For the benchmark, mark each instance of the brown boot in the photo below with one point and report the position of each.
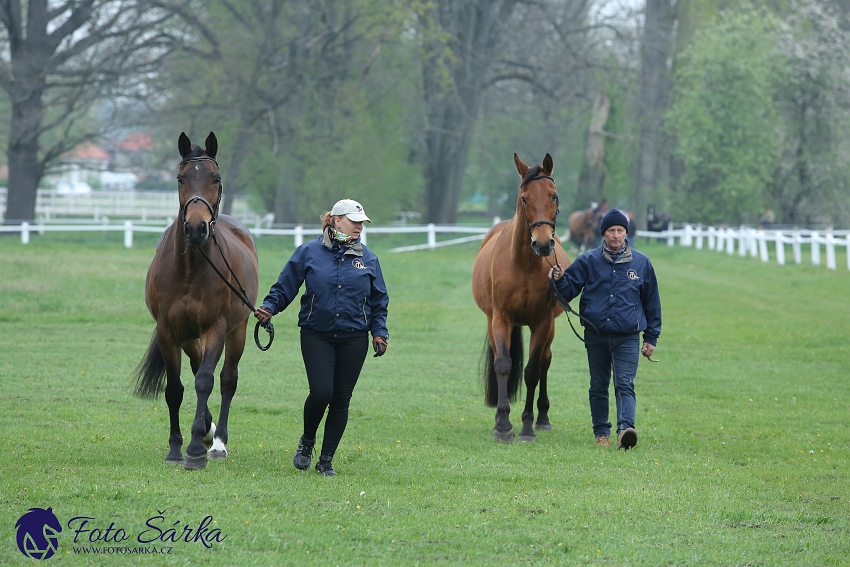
(603, 441)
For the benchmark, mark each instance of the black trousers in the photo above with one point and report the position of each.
(333, 362)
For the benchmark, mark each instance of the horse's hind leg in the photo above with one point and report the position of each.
(235, 346)
(173, 397)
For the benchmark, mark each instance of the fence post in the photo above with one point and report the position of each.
(711, 234)
(363, 236)
(830, 250)
(25, 232)
(432, 236)
(815, 249)
(699, 237)
(795, 246)
(730, 242)
(763, 247)
(299, 235)
(128, 234)
(742, 241)
(848, 250)
(780, 248)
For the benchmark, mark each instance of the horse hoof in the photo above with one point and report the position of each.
(503, 436)
(527, 438)
(543, 427)
(195, 463)
(217, 455)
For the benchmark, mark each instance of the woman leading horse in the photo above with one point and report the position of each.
(511, 286)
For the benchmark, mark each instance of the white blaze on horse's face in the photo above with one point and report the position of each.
(199, 184)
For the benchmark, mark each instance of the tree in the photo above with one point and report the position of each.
(653, 102)
(810, 184)
(724, 118)
(57, 60)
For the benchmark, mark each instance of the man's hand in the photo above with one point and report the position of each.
(647, 350)
(263, 315)
(556, 272)
(379, 344)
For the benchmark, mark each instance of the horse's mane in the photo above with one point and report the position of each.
(532, 172)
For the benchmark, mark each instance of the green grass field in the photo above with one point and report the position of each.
(743, 457)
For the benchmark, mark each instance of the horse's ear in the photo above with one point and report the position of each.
(211, 145)
(184, 145)
(548, 165)
(521, 168)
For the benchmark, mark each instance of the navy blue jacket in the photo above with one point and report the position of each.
(344, 290)
(619, 298)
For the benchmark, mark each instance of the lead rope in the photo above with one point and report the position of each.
(242, 294)
(565, 304)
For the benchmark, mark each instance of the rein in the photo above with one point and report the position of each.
(242, 295)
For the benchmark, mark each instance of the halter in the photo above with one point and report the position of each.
(192, 199)
(533, 225)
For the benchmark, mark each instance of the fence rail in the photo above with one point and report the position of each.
(744, 241)
(50, 204)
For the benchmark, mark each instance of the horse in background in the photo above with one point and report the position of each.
(657, 222)
(584, 226)
(510, 284)
(194, 309)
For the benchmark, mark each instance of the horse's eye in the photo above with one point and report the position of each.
(555, 198)
(180, 179)
(524, 202)
(217, 179)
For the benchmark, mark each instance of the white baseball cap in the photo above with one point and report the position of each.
(352, 209)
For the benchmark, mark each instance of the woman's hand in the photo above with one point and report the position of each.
(263, 315)
(379, 344)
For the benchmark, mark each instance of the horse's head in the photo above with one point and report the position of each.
(598, 212)
(199, 183)
(538, 204)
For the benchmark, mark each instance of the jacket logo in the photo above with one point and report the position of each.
(633, 275)
(358, 264)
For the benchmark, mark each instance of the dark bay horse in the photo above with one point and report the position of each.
(193, 307)
(584, 226)
(511, 286)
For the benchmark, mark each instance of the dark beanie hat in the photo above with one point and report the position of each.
(612, 218)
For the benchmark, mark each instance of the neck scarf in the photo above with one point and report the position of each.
(615, 254)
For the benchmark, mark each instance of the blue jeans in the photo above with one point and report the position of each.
(606, 354)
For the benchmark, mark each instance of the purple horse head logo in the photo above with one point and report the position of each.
(38, 533)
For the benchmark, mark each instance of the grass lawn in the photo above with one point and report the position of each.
(743, 455)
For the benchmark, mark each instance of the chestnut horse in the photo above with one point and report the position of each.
(584, 226)
(511, 286)
(194, 309)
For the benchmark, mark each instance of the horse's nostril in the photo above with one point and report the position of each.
(186, 228)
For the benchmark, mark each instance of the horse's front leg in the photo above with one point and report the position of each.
(539, 358)
(235, 346)
(196, 453)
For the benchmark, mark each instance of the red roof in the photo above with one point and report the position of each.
(137, 142)
(87, 151)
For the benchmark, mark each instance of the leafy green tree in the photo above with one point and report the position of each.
(724, 118)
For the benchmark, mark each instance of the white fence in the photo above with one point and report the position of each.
(747, 241)
(50, 204)
(744, 241)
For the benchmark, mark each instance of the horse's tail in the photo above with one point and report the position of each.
(517, 353)
(150, 373)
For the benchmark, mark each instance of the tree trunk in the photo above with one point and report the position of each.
(654, 98)
(25, 169)
(591, 182)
